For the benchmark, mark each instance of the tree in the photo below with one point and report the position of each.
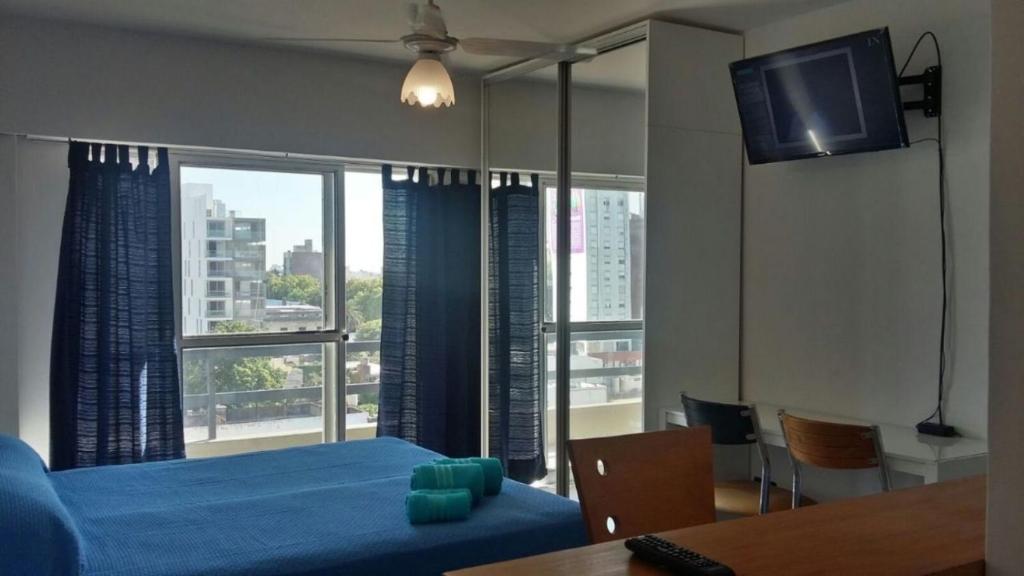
(232, 327)
(363, 300)
(368, 330)
(249, 374)
(295, 288)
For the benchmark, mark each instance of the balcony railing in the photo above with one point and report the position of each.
(619, 414)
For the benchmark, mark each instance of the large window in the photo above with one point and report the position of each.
(260, 343)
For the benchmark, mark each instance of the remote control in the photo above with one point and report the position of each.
(677, 559)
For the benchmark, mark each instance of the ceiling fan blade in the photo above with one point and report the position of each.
(519, 48)
(363, 40)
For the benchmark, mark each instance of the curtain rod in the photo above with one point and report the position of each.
(241, 152)
(359, 162)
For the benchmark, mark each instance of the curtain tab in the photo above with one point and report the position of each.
(515, 179)
(535, 181)
(161, 159)
(124, 157)
(144, 157)
(110, 154)
(471, 177)
(440, 177)
(504, 179)
(385, 173)
(96, 151)
(410, 172)
(424, 178)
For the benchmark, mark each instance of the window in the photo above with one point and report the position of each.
(364, 283)
(260, 360)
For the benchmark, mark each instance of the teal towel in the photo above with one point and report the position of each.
(447, 476)
(428, 506)
(493, 472)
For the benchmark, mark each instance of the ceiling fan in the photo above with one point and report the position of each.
(428, 82)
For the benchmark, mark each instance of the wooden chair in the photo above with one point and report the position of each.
(642, 483)
(738, 424)
(833, 446)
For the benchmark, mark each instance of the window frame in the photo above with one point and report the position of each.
(333, 334)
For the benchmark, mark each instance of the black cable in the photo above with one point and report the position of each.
(942, 229)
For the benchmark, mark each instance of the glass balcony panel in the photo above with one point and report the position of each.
(251, 398)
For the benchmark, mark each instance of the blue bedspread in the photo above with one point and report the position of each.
(333, 509)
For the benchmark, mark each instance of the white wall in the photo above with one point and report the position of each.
(693, 219)
(608, 127)
(8, 289)
(1006, 427)
(841, 262)
(89, 82)
(41, 194)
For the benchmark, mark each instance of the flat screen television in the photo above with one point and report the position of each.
(839, 96)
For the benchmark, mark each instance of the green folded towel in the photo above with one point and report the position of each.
(445, 476)
(428, 506)
(493, 472)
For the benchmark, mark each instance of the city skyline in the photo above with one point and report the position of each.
(290, 202)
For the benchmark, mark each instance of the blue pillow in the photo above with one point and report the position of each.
(37, 534)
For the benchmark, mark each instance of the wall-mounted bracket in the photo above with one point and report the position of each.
(931, 80)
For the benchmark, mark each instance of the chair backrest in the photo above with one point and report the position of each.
(642, 483)
(831, 445)
(729, 423)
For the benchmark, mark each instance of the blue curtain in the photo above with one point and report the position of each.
(114, 391)
(516, 398)
(430, 327)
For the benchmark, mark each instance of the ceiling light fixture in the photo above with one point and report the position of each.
(428, 83)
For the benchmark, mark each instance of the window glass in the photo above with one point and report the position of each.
(606, 256)
(238, 399)
(254, 239)
(364, 289)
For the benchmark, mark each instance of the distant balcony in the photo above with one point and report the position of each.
(216, 313)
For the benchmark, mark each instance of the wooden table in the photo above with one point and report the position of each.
(938, 529)
(934, 459)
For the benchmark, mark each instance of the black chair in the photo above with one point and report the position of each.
(737, 424)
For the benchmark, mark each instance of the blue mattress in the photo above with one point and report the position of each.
(333, 509)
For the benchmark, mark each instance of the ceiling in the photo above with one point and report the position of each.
(254, 21)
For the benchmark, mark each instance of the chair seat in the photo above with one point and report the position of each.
(743, 498)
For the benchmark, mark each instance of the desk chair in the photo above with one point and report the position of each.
(642, 483)
(833, 446)
(737, 424)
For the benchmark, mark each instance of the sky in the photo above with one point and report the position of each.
(292, 204)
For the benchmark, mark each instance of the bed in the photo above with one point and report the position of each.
(333, 509)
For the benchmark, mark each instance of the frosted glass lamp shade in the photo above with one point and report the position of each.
(428, 83)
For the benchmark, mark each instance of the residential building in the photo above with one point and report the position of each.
(223, 263)
(304, 260)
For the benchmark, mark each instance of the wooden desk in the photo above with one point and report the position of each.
(934, 459)
(933, 530)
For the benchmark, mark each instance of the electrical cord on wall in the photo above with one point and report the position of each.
(938, 412)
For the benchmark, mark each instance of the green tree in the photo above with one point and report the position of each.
(249, 374)
(368, 330)
(232, 327)
(363, 299)
(295, 288)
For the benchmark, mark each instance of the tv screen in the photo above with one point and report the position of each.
(834, 97)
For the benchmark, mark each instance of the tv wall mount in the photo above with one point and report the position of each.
(931, 81)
